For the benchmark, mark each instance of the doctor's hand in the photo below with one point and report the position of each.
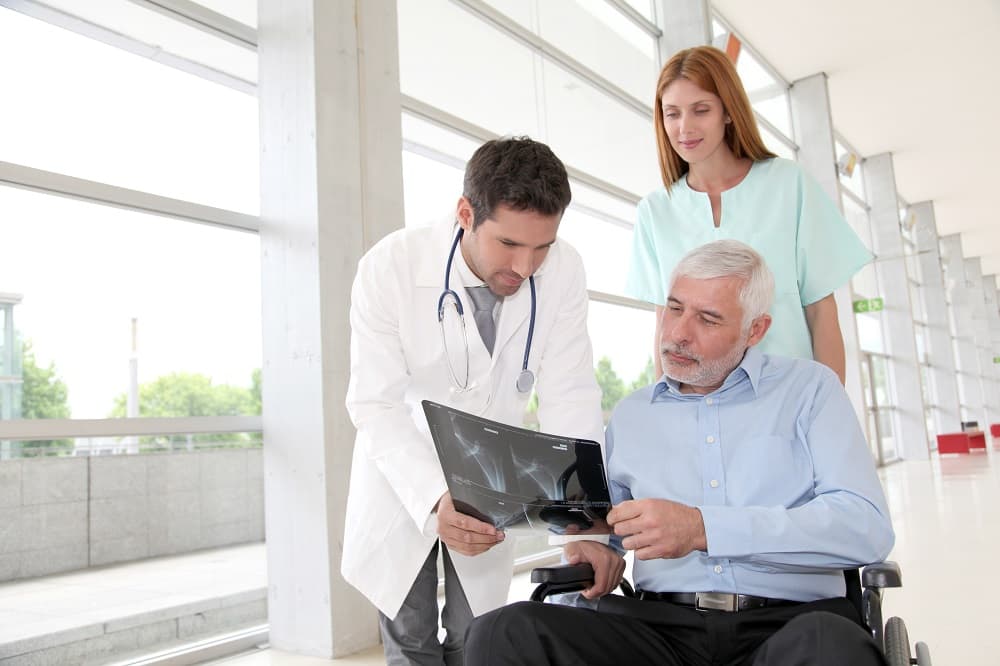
(608, 565)
(656, 528)
(464, 534)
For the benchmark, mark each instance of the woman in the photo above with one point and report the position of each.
(721, 182)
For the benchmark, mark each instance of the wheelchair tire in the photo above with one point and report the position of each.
(923, 654)
(897, 643)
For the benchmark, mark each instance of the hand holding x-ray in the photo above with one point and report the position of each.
(462, 533)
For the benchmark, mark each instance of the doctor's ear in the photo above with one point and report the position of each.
(464, 214)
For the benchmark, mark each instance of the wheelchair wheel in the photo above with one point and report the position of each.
(923, 654)
(897, 643)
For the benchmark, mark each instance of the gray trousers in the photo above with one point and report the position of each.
(411, 638)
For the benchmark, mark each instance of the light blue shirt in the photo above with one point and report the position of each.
(778, 210)
(777, 464)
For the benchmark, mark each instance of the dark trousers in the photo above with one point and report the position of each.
(411, 638)
(628, 631)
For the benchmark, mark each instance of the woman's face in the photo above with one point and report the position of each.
(694, 120)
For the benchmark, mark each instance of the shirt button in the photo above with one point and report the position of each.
(708, 401)
(709, 439)
(713, 483)
(718, 568)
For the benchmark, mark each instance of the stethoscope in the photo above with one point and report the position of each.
(526, 378)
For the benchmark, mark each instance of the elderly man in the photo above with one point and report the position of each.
(744, 486)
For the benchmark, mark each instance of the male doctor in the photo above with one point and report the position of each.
(474, 314)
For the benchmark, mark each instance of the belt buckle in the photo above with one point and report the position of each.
(716, 601)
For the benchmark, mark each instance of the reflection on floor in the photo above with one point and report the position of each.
(947, 540)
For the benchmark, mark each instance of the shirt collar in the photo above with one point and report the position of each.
(749, 368)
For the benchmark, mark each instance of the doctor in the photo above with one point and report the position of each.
(425, 326)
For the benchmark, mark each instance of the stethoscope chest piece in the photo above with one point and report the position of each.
(525, 381)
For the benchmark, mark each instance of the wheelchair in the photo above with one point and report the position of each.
(864, 590)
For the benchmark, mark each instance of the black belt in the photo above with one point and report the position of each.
(715, 600)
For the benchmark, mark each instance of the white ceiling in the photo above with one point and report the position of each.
(916, 78)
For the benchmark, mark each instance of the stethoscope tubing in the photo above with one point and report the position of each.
(526, 378)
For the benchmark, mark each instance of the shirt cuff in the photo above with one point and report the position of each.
(728, 532)
(430, 528)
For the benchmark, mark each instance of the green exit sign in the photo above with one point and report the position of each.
(996, 359)
(869, 305)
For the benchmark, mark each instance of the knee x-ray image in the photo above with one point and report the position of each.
(520, 480)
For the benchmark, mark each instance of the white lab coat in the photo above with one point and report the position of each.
(397, 360)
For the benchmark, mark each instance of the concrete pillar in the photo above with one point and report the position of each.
(897, 318)
(684, 23)
(813, 130)
(962, 299)
(940, 352)
(331, 185)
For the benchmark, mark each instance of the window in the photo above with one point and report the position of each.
(117, 118)
(194, 289)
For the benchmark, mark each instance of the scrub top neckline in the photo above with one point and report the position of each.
(683, 182)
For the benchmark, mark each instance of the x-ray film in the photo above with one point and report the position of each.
(519, 480)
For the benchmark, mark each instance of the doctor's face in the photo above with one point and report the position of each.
(508, 247)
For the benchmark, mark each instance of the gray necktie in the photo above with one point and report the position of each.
(483, 299)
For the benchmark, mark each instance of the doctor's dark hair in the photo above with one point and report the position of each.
(732, 259)
(517, 172)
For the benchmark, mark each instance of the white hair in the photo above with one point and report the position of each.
(731, 258)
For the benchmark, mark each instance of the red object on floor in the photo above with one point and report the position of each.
(995, 430)
(977, 440)
(953, 442)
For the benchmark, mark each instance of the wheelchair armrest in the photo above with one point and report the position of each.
(881, 575)
(561, 579)
(563, 574)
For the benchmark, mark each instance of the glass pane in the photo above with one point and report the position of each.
(442, 140)
(167, 34)
(718, 30)
(6, 351)
(872, 435)
(605, 248)
(767, 94)
(644, 7)
(604, 40)
(888, 434)
(920, 338)
(521, 11)
(431, 190)
(880, 372)
(870, 332)
(854, 181)
(857, 217)
(596, 134)
(623, 350)
(451, 59)
(244, 11)
(776, 110)
(194, 289)
(86, 109)
(776, 146)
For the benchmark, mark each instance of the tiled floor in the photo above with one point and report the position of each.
(946, 513)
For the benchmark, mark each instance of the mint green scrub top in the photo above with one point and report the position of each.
(777, 210)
